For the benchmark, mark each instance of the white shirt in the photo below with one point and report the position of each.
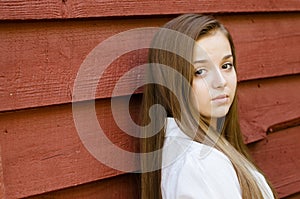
(191, 170)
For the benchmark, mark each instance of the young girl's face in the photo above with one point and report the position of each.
(215, 80)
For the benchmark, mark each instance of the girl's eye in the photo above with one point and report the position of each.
(227, 66)
(200, 72)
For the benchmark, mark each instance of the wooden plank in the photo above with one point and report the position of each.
(278, 156)
(267, 102)
(124, 186)
(42, 151)
(40, 62)
(51, 9)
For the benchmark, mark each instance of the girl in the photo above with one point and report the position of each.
(195, 142)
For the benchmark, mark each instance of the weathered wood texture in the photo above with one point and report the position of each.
(265, 103)
(121, 187)
(42, 152)
(279, 157)
(35, 9)
(40, 61)
(99, 189)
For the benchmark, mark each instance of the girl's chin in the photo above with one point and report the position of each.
(218, 113)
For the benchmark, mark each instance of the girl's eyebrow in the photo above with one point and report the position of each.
(200, 61)
(204, 60)
(227, 56)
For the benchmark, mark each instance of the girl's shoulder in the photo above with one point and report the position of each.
(180, 154)
(197, 169)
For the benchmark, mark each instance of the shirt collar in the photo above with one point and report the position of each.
(173, 130)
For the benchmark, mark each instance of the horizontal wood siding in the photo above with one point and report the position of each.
(52, 9)
(41, 153)
(265, 103)
(121, 187)
(36, 162)
(278, 156)
(40, 62)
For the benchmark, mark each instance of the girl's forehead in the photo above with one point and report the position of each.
(211, 46)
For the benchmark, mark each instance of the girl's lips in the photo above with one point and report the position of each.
(221, 99)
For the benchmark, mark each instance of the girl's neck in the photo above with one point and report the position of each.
(213, 122)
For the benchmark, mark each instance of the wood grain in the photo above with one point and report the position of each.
(34, 9)
(267, 102)
(42, 151)
(119, 187)
(278, 156)
(40, 60)
(2, 189)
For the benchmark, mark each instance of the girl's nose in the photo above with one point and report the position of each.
(218, 80)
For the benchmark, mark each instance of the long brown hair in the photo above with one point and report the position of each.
(174, 96)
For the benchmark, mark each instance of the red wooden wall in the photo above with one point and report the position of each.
(43, 44)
